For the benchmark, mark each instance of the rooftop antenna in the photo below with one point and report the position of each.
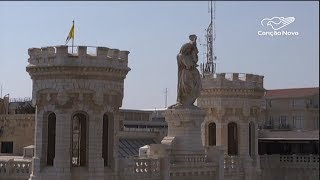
(209, 67)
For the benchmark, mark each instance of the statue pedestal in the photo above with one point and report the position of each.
(184, 131)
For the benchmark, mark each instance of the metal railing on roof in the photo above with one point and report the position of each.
(25, 99)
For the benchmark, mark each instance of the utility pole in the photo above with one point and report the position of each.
(165, 98)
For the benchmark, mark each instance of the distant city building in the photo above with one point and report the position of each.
(289, 134)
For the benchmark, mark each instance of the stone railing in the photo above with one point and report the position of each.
(232, 164)
(147, 166)
(143, 129)
(289, 161)
(188, 159)
(234, 80)
(15, 168)
(280, 127)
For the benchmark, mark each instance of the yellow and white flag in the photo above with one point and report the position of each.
(71, 33)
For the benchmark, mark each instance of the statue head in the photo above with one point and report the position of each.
(193, 37)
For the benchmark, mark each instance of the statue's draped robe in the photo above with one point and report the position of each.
(189, 83)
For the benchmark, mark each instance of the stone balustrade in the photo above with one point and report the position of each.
(233, 80)
(59, 55)
(232, 164)
(11, 168)
(147, 166)
(277, 166)
(289, 161)
(188, 159)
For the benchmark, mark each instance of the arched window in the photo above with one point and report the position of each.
(51, 145)
(212, 134)
(105, 140)
(79, 138)
(232, 139)
(251, 139)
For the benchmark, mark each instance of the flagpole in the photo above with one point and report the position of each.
(72, 37)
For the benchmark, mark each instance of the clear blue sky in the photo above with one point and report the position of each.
(153, 32)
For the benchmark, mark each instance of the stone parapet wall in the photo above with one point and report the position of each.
(233, 80)
(59, 56)
(59, 76)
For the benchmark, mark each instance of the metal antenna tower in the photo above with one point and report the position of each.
(210, 66)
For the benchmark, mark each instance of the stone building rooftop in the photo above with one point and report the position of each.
(130, 147)
(291, 93)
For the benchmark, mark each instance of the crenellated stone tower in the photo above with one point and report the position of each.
(232, 103)
(77, 98)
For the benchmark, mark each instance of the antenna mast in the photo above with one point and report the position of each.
(166, 98)
(209, 67)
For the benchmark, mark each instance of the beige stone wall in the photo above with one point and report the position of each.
(18, 128)
(4, 103)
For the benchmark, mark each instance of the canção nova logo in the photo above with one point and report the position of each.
(277, 23)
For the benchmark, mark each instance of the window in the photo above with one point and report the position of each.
(269, 123)
(212, 134)
(79, 131)
(232, 139)
(316, 122)
(297, 122)
(283, 122)
(298, 103)
(292, 103)
(51, 139)
(105, 141)
(251, 139)
(7, 147)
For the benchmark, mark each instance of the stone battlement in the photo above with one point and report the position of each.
(232, 80)
(59, 56)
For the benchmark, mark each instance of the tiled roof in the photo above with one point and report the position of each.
(290, 93)
(130, 147)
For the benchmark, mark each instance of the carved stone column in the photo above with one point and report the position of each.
(95, 160)
(62, 160)
(36, 160)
